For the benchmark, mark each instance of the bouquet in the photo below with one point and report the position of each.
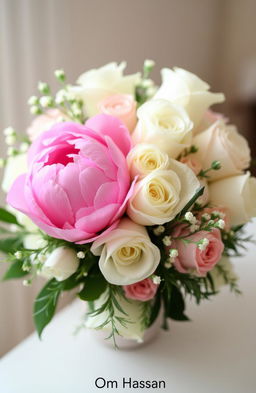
(132, 195)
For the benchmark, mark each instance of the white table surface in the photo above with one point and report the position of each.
(216, 353)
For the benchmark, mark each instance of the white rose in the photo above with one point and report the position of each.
(218, 279)
(165, 125)
(144, 158)
(127, 254)
(16, 165)
(204, 199)
(186, 89)
(61, 264)
(238, 193)
(97, 84)
(223, 143)
(162, 194)
(132, 308)
(34, 241)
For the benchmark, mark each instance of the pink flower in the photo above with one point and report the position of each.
(192, 163)
(45, 122)
(190, 258)
(224, 214)
(143, 290)
(78, 180)
(121, 106)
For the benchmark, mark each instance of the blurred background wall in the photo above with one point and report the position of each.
(213, 38)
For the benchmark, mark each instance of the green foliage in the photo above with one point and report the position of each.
(11, 244)
(176, 305)
(6, 216)
(15, 271)
(45, 304)
(93, 287)
(110, 306)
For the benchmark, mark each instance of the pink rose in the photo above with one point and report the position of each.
(192, 163)
(121, 106)
(143, 290)
(209, 118)
(190, 258)
(224, 215)
(45, 122)
(78, 180)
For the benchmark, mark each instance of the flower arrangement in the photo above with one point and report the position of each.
(133, 195)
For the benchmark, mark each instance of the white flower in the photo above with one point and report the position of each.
(80, 255)
(127, 254)
(156, 279)
(173, 253)
(144, 158)
(222, 143)
(238, 193)
(61, 264)
(186, 89)
(162, 194)
(18, 254)
(159, 230)
(167, 241)
(9, 131)
(220, 224)
(97, 84)
(203, 244)
(190, 218)
(164, 124)
(133, 310)
(16, 165)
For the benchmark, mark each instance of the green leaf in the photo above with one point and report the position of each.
(15, 271)
(10, 245)
(155, 309)
(45, 305)
(176, 306)
(8, 217)
(94, 286)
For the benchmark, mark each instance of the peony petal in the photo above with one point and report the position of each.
(98, 219)
(90, 180)
(111, 126)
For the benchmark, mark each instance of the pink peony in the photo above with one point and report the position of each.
(143, 290)
(45, 122)
(190, 258)
(121, 106)
(78, 180)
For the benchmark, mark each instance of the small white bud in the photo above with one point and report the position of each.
(159, 230)
(156, 280)
(24, 147)
(203, 244)
(10, 140)
(173, 253)
(168, 264)
(193, 228)
(60, 74)
(149, 64)
(35, 110)
(85, 274)
(46, 101)
(18, 254)
(43, 87)
(60, 97)
(167, 241)
(80, 255)
(220, 224)
(206, 216)
(190, 218)
(9, 131)
(11, 151)
(146, 83)
(26, 283)
(33, 100)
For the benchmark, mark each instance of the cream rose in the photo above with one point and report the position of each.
(61, 264)
(132, 308)
(97, 84)
(186, 89)
(162, 194)
(238, 193)
(165, 125)
(223, 143)
(16, 165)
(145, 158)
(127, 254)
(218, 278)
